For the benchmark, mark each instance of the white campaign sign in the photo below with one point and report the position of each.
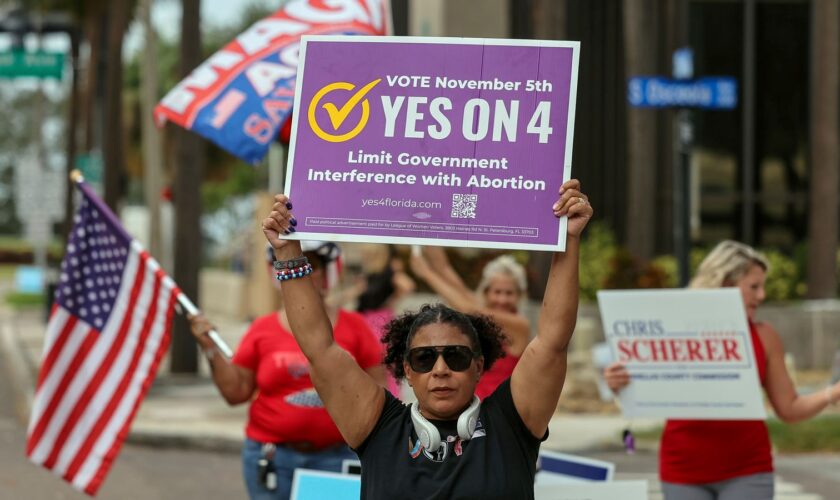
(689, 353)
(624, 490)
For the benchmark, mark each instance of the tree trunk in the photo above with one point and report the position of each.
(188, 178)
(640, 52)
(548, 21)
(825, 159)
(112, 135)
(152, 151)
(548, 17)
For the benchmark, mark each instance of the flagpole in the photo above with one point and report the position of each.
(188, 306)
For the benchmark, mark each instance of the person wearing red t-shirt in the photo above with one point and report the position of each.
(731, 459)
(498, 296)
(288, 426)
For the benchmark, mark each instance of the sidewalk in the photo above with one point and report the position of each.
(187, 411)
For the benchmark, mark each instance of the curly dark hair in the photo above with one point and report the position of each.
(486, 337)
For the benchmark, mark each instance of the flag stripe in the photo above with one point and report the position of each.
(48, 378)
(92, 473)
(143, 383)
(58, 331)
(89, 340)
(126, 336)
(78, 376)
(112, 390)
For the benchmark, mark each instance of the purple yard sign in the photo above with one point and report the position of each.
(438, 141)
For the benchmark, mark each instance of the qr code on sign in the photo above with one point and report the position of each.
(463, 206)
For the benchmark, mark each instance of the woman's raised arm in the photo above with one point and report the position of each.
(438, 273)
(538, 379)
(352, 398)
(454, 292)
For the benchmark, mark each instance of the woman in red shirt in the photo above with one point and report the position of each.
(498, 296)
(288, 426)
(731, 459)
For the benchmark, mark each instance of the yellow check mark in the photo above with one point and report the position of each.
(337, 116)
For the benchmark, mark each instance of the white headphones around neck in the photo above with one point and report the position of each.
(430, 436)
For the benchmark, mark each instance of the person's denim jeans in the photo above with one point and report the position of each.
(285, 463)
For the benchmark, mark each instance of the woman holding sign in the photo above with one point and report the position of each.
(498, 296)
(731, 459)
(448, 444)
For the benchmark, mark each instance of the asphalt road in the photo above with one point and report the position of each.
(139, 472)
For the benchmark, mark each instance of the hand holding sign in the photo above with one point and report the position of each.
(574, 204)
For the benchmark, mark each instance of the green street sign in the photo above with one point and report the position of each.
(38, 64)
(91, 167)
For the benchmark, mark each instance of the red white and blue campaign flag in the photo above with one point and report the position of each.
(109, 328)
(241, 96)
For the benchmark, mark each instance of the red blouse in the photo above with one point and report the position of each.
(286, 407)
(492, 378)
(708, 451)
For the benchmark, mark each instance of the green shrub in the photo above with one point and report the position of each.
(668, 265)
(818, 434)
(783, 280)
(596, 250)
(606, 265)
(21, 300)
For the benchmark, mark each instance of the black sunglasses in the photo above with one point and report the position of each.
(457, 357)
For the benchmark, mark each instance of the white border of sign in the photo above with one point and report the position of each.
(357, 238)
(624, 490)
(347, 463)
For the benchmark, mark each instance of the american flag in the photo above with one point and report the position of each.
(109, 328)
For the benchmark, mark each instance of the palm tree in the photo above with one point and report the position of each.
(640, 52)
(117, 15)
(187, 197)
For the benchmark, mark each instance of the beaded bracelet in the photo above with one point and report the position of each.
(295, 270)
(299, 272)
(289, 264)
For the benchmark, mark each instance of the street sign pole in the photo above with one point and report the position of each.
(682, 196)
(683, 69)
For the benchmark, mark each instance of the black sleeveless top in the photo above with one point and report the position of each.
(499, 462)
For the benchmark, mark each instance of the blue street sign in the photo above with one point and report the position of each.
(658, 92)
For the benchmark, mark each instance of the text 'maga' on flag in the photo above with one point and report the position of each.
(108, 330)
(241, 96)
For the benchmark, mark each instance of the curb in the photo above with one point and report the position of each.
(20, 368)
(181, 441)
